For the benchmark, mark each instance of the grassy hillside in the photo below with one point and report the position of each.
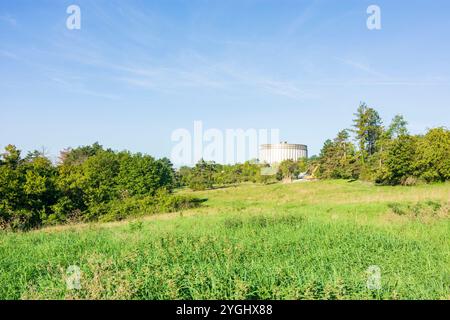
(311, 240)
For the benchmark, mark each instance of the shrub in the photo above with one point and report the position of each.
(136, 226)
(163, 202)
(396, 208)
(233, 223)
(433, 160)
(430, 208)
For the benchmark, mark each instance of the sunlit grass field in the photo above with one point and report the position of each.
(309, 240)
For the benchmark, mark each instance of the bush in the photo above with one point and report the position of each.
(430, 208)
(433, 159)
(163, 202)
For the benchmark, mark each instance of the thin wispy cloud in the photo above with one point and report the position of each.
(266, 83)
(9, 55)
(217, 76)
(78, 87)
(286, 89)
(8, 19)
(185, 70)
(375, 82)
(194, 71)
(377, 78)
(359, 66)
(303, 18)
(407, 83)
(167, 79)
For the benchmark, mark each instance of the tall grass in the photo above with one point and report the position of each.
(298, 241)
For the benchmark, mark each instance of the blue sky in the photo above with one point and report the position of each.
(138, 70)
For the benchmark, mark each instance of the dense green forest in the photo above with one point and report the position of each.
(91, 183)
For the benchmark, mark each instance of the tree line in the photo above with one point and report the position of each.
(387, 155)
(87, 184)
(208, 174)
(368, 151)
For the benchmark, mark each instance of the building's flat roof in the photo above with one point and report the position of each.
(289, 145)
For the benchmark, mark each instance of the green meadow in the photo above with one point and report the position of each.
(308, 240)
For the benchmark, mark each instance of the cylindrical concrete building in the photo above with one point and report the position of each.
(276, 153)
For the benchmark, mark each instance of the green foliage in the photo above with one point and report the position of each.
(202, 176)
(163, 201)
(11, 157)
(399, 163)
(227, 175)
(423, 209)
(141, 175)
(89, 183)
(249, 172)
(368, 130)
(433, 158)
(387, 156)
(79, 155)
(27, 189)
(397, 128)
(208, 175)
(99, 178)
(288, 170)
(338, 158)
